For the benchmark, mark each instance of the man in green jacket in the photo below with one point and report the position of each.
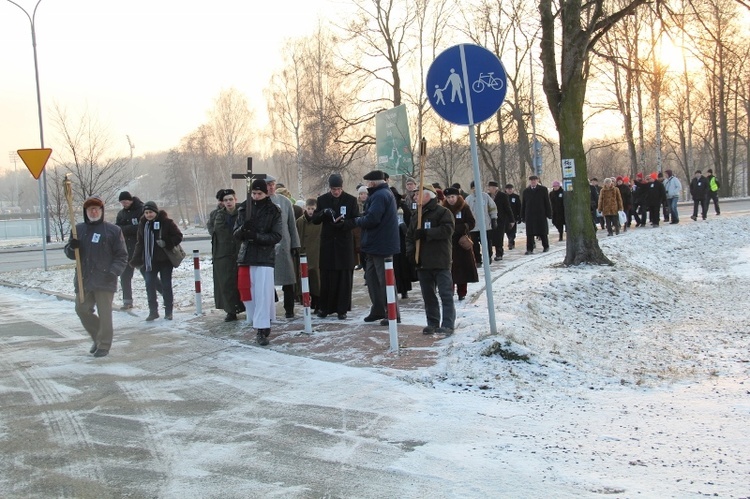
(433, 260)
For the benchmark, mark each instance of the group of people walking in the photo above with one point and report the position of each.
(256, 244)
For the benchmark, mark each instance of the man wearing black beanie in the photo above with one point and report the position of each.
(336, 261)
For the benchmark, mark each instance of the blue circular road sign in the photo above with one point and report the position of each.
(466, 84)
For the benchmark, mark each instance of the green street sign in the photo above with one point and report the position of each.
(393, 142)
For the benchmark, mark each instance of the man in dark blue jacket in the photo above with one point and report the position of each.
(380, 240)
(103, 256)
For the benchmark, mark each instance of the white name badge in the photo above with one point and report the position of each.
(342, 210)
(134, 221)
(96, 237)
(459, 215)
(513, 200)
(560, 195)
(156, 225)
(414, 206)
(427, 224)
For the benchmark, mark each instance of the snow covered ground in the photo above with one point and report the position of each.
(627, 380)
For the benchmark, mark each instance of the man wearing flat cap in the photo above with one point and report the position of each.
(336, 261)
(433, 261)
(380, 240)
(103, 257)
(127, 219)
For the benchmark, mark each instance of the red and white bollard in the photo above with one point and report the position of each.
(390, 292)
(304, 278)
(197, 273)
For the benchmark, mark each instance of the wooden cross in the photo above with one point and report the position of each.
(249, 176)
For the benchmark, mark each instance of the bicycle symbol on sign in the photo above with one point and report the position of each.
(487, 80)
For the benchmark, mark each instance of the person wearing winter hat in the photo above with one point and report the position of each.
(336, 261)
(157, 233)
(259, 230)
(380, 240)
(432, 257)
(127, 219)
(99, 248)
(224, 249)
(654, 199)
(712, 191)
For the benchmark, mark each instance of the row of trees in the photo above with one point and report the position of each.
(598, 62)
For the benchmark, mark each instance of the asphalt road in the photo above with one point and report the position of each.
(33, 257)
(180, 415)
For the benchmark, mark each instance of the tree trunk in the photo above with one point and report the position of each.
(582, 245)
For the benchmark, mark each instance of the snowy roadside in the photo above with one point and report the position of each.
(667, 311)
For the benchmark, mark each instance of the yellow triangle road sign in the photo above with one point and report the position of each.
(35, 159)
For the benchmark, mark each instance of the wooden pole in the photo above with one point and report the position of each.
(422, 158)
(68, 185)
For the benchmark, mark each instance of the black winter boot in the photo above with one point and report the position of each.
(262, 336)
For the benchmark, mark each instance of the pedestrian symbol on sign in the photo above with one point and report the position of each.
(475, 78)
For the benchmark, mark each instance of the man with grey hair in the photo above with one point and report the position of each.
(433, 261)
(287, 250)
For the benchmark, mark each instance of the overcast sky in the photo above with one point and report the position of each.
(148, 69)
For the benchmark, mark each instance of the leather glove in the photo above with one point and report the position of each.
(74, 244)
(419, 234)
(493, 223)
(249, 224)
(160, 243)
(329, 212)
(250, 232)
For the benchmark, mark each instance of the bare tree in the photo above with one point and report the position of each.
(230, 125)
(580, 26)
(87, 153)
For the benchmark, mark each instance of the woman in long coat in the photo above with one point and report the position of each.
(463, 267)
(610, 203)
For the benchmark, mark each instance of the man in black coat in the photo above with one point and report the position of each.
(536, 210)
(127, 220)
(627, 200)
(336, 262)
(698, 189)
(654, 199)
(505, 218)
(515, 207)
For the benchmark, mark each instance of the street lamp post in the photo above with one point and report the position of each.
(43, 190)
